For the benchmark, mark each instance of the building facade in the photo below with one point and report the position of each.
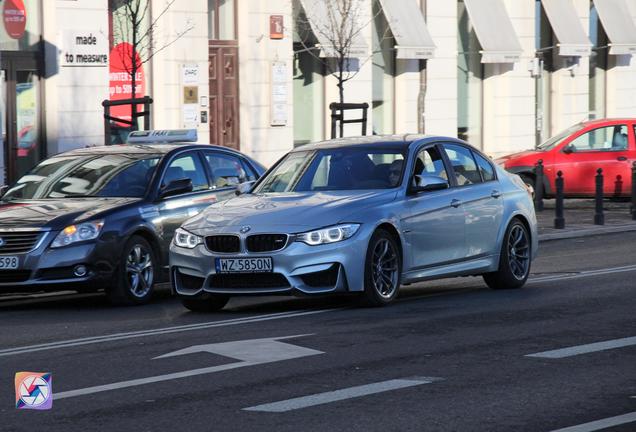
(260, 75)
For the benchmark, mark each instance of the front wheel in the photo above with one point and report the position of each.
(382, 269)
(514, 261)
(135, 274)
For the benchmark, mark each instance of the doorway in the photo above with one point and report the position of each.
(20, 103)
(223, 73)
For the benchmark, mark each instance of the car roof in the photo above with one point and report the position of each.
(161, 149)
(607, 120)
(374, 140)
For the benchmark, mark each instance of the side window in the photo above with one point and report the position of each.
(186, 166)
(466, 171)
(249, 171)
(430, 163)
(485, 167)
(609, 138)
(227, 170)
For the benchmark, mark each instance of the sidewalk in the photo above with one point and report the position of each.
(579, 219)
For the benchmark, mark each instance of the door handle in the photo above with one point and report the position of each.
(456, 203)
(621, 158)
(495, 194)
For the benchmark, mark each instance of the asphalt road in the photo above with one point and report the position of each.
(447, 356)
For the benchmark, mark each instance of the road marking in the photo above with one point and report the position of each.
(342, 394)
(585, 349)
(159, 331)
(249, 352)
(601, 424)
(583, 274)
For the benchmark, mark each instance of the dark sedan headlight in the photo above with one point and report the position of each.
(78, 233)
(327, 235)
(185, 239)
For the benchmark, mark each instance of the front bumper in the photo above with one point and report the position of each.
(298, 269)
(45, 269)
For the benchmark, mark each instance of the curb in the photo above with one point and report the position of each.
(587, 232)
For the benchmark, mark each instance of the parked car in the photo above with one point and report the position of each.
(578, 152)
(103, 217)
(360, 215)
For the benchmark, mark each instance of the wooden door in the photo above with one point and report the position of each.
(224, 94)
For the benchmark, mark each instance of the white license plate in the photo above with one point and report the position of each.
(9, 262)
(244, 265)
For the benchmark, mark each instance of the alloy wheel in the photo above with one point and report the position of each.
(139, 271)
(518, 252)
(385, 268)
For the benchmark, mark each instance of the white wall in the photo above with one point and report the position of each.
(570, 83)
(73, 110)
(509, 94)
(441, 93)
(257, 51)
(165, 78)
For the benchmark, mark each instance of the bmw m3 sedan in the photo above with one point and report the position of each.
(360, 215)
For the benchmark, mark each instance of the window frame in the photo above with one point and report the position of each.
(587, 131)
(196, 154)
(210, 174)
(452, 168)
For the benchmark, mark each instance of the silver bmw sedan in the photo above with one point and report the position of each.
(360, 215)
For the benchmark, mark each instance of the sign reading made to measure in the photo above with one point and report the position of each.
(82, 48)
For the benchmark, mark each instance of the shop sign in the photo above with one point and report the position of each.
(121, 57)
(82, 48)
(15, 17)
(275, 26)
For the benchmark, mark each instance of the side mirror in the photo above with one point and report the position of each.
(428, 183)
(176, 187)
(3, 190)
(568, 149)
(243, 188)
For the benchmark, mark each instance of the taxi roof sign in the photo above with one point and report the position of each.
(162, 136)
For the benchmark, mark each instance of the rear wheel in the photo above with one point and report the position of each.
(382, 269)
(135, 274)
(514, 261)
(205, 302)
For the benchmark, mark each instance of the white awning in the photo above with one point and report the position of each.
(409, 29)
(325, 20)
(568, 28)
(618, 24)
(494, 30)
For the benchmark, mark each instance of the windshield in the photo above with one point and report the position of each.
(114, 175)
(336, 169)
(556, 140)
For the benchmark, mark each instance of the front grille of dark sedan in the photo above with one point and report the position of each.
(18, 242)
(249, 280)
(266, 242)
(223, 243)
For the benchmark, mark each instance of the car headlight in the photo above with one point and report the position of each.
(185, 239)
(77, 233)
(331, 234)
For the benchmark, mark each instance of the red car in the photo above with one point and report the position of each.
(578, 152)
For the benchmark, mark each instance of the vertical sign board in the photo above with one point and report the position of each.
(278, 97)
(190, 107)
(276, 27)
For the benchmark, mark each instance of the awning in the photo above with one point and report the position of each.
(494, 30)
(618, 24)
(325, 21)
(568, 28)
(409, 29)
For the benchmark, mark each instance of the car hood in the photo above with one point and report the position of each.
(293, 212)
(519, 158)
(55, 213)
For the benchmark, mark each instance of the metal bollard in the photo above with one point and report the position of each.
(559, 220)
(634, 191)
(599, 218)
(538, 186)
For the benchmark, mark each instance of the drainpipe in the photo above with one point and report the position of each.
(421, 97)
